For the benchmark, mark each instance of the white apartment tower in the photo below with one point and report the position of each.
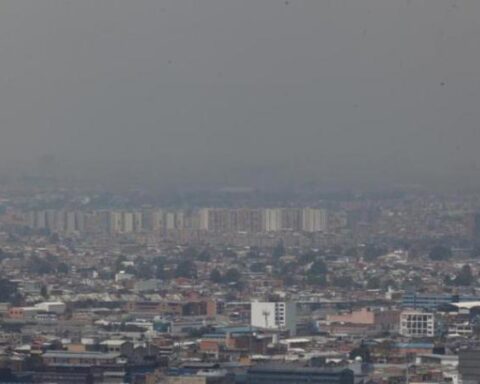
(50, 220)
(70, 222)
(127, 222)
(137, 221)
(115, 223)
(203, 219)
(157, 220)
(41, 220)
(274, 315)
(179, 220)
(80, 221)
(314, 220)
(170, 220)
(272, 220)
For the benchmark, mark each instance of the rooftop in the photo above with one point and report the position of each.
(81, 355)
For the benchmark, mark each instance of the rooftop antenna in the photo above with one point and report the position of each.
(265, 314)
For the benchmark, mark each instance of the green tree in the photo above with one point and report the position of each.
(385, 349)
(54, 238)
(40, 266)
(257, 267)
(278, 251)
(343, 281)
(9, 292)
(186, 268)
(190, 253)
(253, 253)
(373, 252)
(317, 274)
(145, 270)
(361, 351)
(196, 333)
(351, 252)
(62, 268)
(130, 269)
(308, 257)
(373, 283)
(465, 277)
(118, 262)
(44, 292)
(475, 252)
(34, 362)
(215, 276)
(158, 265)
(318, 268)
(440, 253)
(287, 269)
(389, 283)
(204, 255)
(232, 275)
(229, 254)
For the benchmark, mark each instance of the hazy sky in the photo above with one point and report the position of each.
(240, 91)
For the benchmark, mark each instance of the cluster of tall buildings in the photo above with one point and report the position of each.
(263, 220)
(219, 220)
(105, 221)
(56, 220)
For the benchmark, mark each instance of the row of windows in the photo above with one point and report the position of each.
(418, 317)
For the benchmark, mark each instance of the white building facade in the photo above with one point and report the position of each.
(417, 324)
(314, 220)
(272, 220)
(274, 315)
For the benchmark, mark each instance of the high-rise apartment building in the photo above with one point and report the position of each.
(127, 222)
(80, 221)
(70, 222)
(245, 220)
(475, 228)
(158, 220)
(137, 221)
(314, 220)
(115, 224)
(292, 219)
(179, 220)
(215, 220)
(41, 220)
(272, 220)
(169, 221)
(50, 220)
(203, 219)
(219, 220)
(274, 315)
(60, 221)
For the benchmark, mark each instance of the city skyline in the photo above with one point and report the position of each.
(239, 192)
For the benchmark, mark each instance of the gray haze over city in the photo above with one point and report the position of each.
(249, 92)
